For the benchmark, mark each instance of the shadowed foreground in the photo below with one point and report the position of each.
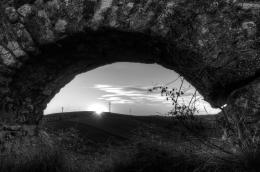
(81, 141)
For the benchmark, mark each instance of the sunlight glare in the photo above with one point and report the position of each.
(98, 108)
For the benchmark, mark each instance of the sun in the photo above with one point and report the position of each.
(97, 108)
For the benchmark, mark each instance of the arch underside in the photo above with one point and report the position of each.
(56, 41)
(44, 74)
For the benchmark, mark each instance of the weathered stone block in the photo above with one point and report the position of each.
(7, 57)
(60, 26)
(25, 10)
(11, 14)
(250, 28)
(15, 48)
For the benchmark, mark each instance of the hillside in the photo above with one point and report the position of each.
(84, 141)
(112, 126)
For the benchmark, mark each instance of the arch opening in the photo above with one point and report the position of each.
(45, 73)
(123, 88)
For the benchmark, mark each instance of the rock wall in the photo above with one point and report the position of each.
(44, 43)
(243, 112)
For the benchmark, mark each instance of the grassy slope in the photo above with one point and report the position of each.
(156, 147)
(110, 125)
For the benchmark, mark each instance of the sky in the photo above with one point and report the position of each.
(125, 86)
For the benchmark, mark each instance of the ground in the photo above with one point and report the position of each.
(84, 141)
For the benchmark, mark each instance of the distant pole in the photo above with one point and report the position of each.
(130, 111)
(109, 107)
(62, 109)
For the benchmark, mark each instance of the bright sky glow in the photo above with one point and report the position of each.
(126, 86)
(98, 108)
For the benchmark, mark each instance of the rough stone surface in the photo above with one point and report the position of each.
(213, 44)
(60, 26)
(244, 110)
(15, 48)
(25, 10)
(11, 14)
(6, 56)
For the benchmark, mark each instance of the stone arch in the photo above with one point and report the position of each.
(46, 43)
(42, 76)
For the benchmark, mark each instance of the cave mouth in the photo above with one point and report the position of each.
(56, 64)
(123, 88)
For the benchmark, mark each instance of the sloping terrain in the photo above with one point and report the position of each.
(118, 126)
(84, 141)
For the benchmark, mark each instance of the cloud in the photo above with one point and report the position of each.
(136, 94)
(129, 94)
(141, 95)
